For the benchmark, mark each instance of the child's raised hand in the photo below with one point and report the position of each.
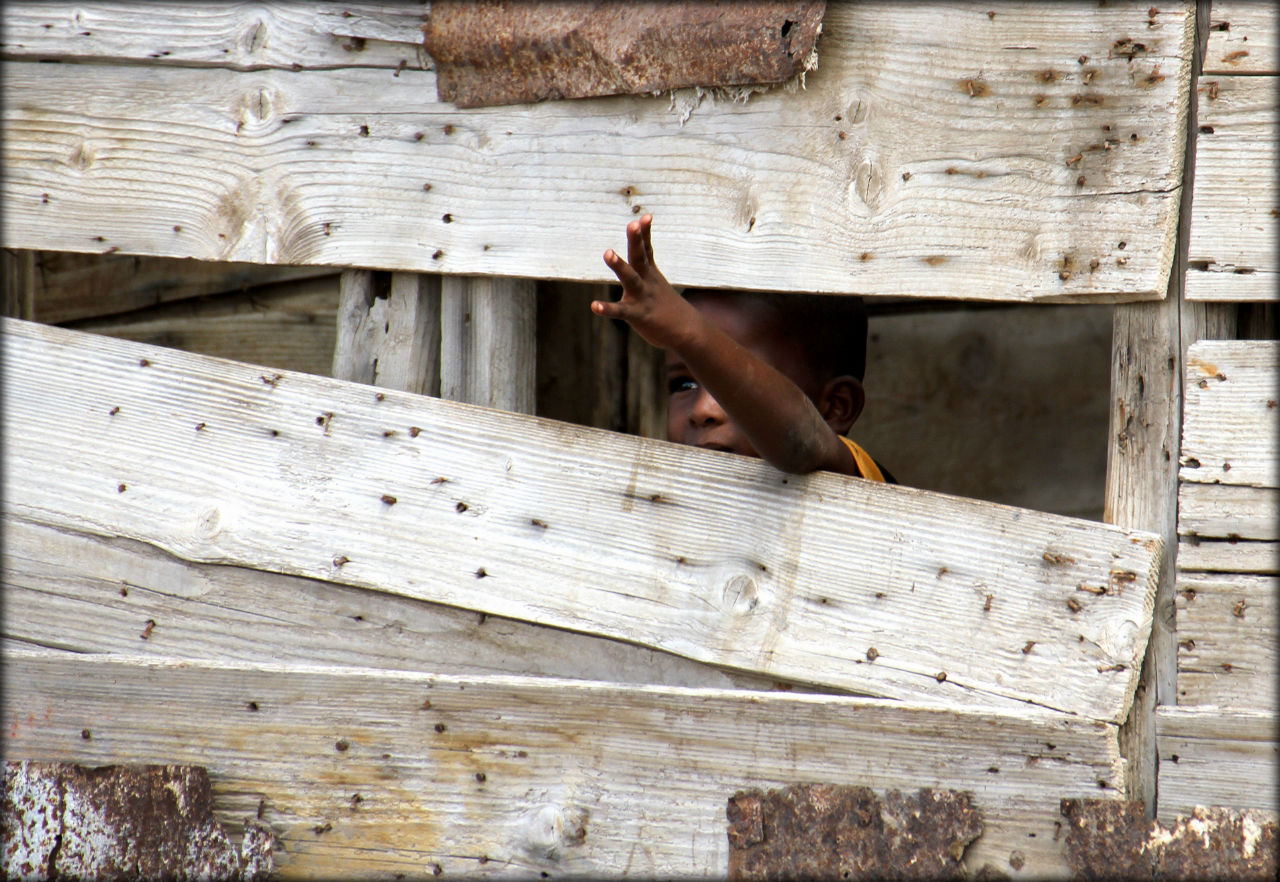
(649, 303)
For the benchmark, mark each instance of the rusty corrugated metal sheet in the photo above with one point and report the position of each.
(64, 821)
(492, 52)
(1107, 839)
(825, 831)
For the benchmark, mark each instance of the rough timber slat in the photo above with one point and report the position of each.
(1227, 640)
(622, 537)
(1242, 38)
(1231, 431)
(1227, 511)
(241, 36)
(936, 152)
(1234, 215)
(88, 594)
(516, 776)
(69, 287)
(1217, 756)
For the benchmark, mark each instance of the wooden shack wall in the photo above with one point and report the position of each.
(946, 371)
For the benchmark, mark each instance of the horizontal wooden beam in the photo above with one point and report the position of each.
(1033, 154)
(1227, 653)
(720, 558)
(1217, 756)
(1243, 38)
(362, 774)
(83, 593)
(319, 35)
(1234, 224)
(1230, 432)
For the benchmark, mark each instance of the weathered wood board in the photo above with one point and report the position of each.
(289, 325)
(68, 287)
(942, 151)
(1235, 214)
(722, 559)
(1227, 638)
(317, 35)
(363, 773)
(1230, 432)
(1242, 38)
(82, 593)
(1216, 756)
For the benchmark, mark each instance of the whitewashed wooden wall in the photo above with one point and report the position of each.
(1033, 154)
(354, 627)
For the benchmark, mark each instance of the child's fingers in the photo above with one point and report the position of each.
(615, 309)
(626, 275)
(637, 254)
(646, 228)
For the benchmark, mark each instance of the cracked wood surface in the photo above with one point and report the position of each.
(819, 579)
(1032, 154)
(361, 774)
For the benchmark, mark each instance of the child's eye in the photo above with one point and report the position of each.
(681, 384)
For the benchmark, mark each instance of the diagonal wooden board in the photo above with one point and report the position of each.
(837, 581)
(365, 773)
(1019, 152)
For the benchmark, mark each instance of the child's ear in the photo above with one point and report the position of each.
(841, 402)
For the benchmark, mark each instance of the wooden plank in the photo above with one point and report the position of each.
(1229, 557)
(18, 268)
(70, 287)
(581, 360)
(288, 325)
(818, 578)
(81, 593)
(520, 776)
(488, 348)
(1215, 756)
(389, 331)
(241, 36)
(1234, 223)
(1227, 511)
(1227, 641)
(1230, 434)
(970, 160)
(1242, 38)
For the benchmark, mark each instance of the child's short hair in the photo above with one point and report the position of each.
(833, 327)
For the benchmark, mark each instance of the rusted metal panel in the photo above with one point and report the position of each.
(1114, 840)
(824, 831)
(59, 820)
(494, 52)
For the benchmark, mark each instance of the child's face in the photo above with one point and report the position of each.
(693, 416)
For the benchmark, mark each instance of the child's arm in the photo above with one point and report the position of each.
(774, 414)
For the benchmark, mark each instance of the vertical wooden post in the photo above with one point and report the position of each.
(487, 353)
(18, 275)
(389, 330)
(1149, 342)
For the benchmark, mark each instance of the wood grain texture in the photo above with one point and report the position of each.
(1230, 433)
(70, 287)
(388, 331)
(1227, 511)
(819, 578)
(1227, 640)
(1214, 756)
(82, 593)
(363, 773)
(240, 36)
(488, 348)
(1242, 38)
(937, 151)
(1235, 216)
(1228, 556)
(289, 325)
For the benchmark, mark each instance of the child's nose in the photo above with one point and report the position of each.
(706, 411)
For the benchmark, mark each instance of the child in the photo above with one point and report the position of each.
(746, 373)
